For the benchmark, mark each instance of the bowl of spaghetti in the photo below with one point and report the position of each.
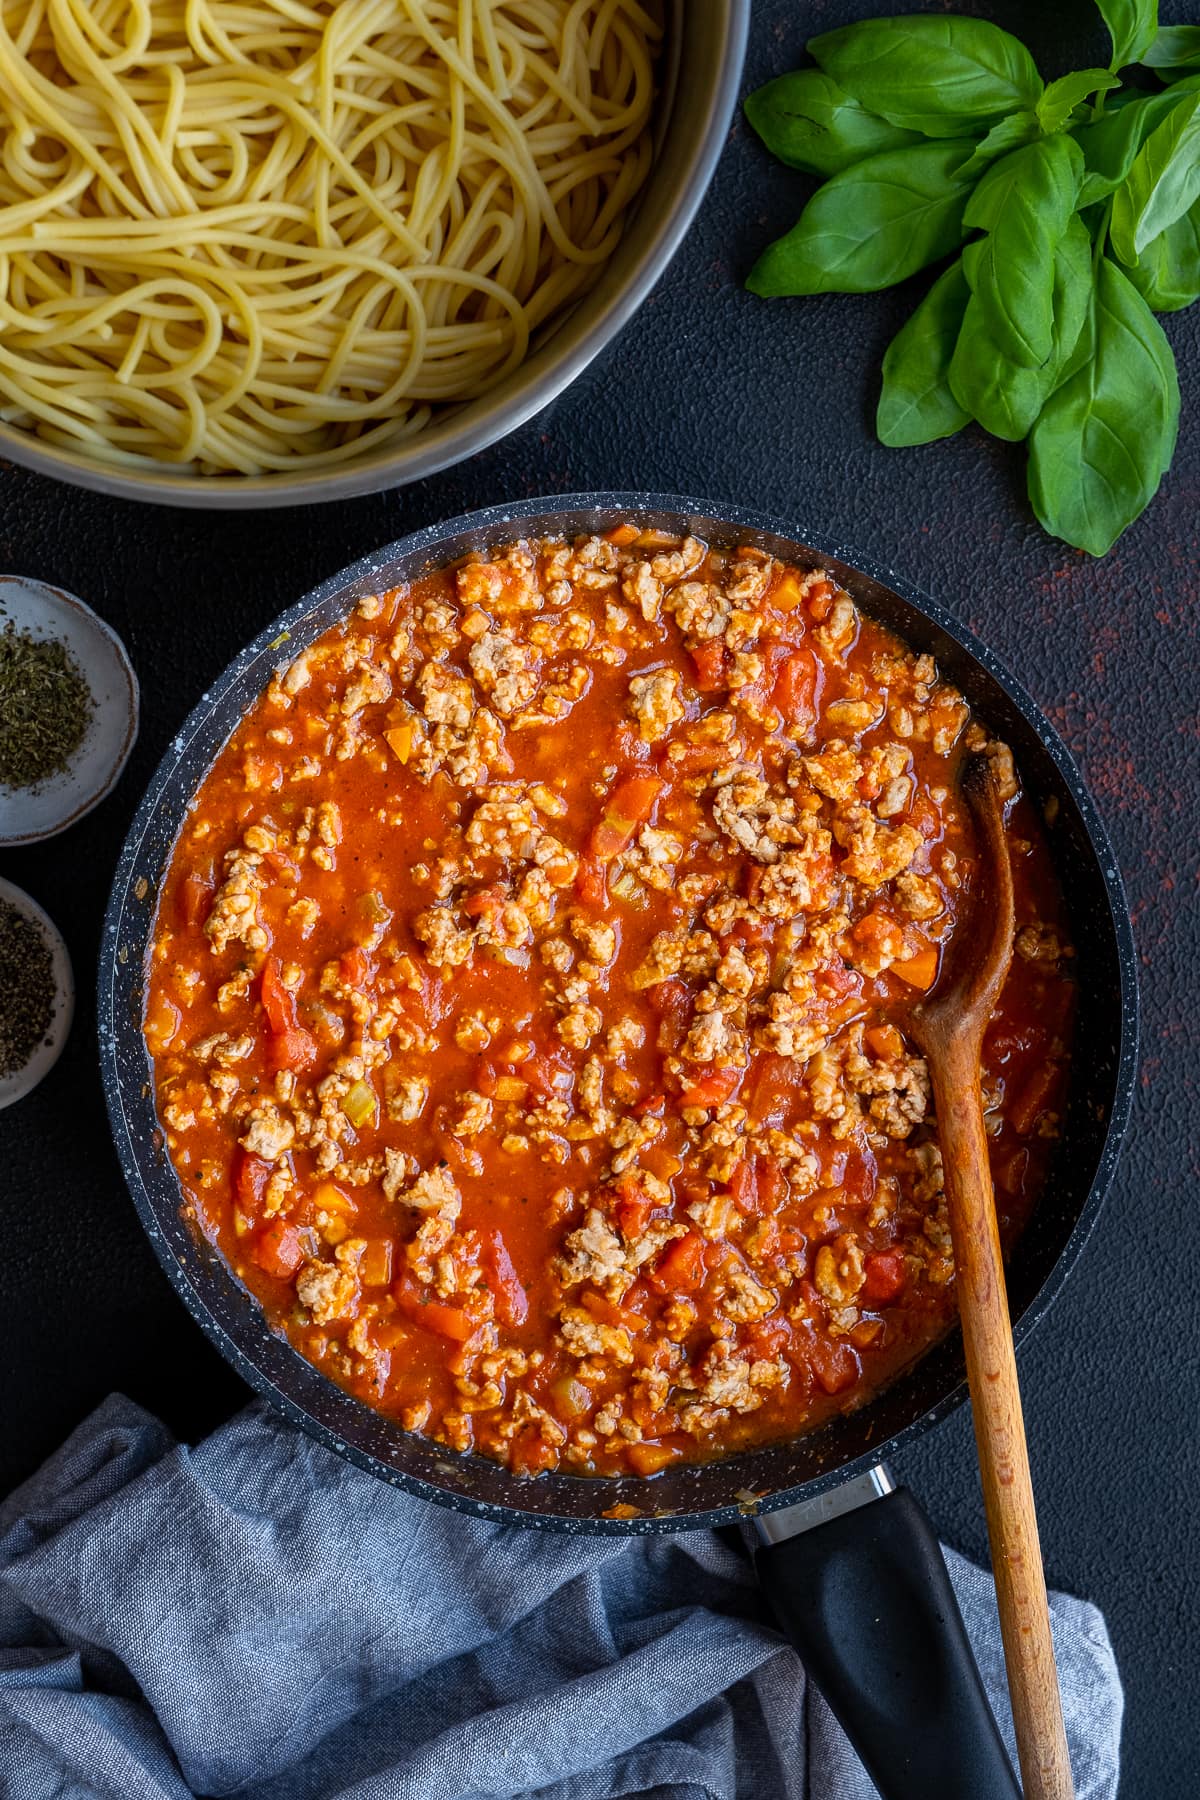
(276, 251)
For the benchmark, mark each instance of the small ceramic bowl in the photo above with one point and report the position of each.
(15, 1087)
(27, 814)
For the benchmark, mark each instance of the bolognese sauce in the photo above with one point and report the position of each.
(528, 1001)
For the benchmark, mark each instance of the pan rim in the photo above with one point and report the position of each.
(115, 962)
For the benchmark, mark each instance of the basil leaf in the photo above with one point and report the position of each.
(1162, 184)
(1132, 25)
(1105, 438)
(1111, 144)
(1024, 204)
(1006, 396)
(938, 74)
(871, 226)
(916, 405)
(1007, 134)
(1175, 47)
(1061, 98)
(808, 122)
(1167, 275)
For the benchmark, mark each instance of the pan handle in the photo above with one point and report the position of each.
(865, 1598)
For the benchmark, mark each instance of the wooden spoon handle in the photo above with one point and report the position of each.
(1000, 1428)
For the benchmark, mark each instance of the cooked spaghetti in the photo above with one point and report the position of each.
(238, 238)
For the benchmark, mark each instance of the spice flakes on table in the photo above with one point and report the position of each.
(528, 1002)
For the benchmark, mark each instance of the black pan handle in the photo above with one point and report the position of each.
(867, 1602)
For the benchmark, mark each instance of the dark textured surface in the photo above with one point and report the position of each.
(712, 392)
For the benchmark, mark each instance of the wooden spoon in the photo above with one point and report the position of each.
(949, 1030)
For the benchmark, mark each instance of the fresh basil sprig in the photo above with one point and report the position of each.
(1073, 214)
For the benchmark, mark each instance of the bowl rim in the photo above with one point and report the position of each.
(585, 330)
(87, 800)
(116, 965)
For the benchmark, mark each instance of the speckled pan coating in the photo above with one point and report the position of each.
(700, 1494)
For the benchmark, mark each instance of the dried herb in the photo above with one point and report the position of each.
(26, 988)
(45, 705)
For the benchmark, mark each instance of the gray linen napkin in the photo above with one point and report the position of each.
(256, 1616)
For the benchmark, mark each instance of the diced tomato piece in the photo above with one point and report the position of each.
(279, 1003)
(884, 1276)
(795, 691)
(590, 882)
(633, 1213)
(714, 1088)
(774, 1089)
(545, 1076)
(834, 1364)
(769, 1336)
(512, 1302)
(629, 805)
(195, 895)
(434, 1315)
(772, 1186)
(1033, 1098)
(530, 1454)
(710, 662)
(673, 1004)
(250, 1177)
(291, 1047)
(680, 1269)
(820, 598)
(484, 1078)
(860, 1176)
(486, 900)
(277, 1249)
(353, 967)
(743, 1185)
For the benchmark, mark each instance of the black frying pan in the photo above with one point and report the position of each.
(853, 1569)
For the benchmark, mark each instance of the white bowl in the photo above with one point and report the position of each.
(27, 814)
(15, 1087)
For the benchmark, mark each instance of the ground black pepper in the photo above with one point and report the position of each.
(27, 988)
(45, 705)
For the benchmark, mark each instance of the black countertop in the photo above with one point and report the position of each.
(714, 393)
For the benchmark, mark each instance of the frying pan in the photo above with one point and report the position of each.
(852, 1568)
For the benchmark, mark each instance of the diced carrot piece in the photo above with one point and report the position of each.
(884, 1275)
(433, 1315)
(375, 1263)
(649, 1459)
(714, 1089)
(400, 742)
(622, 536)
(512, 1302)
(786, 594)
(510, 1090)
(884, 1040)
(609, 1313)
(795, 688)
(277, 1249)
(920, 971)
(513, 1052)
(709, 660)
(680, 1269)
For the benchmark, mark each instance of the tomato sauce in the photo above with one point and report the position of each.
(528, 1002)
